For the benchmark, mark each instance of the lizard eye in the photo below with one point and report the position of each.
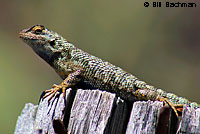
(38, 31)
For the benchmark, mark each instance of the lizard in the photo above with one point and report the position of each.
(74, 65)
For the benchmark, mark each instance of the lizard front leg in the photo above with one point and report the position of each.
(72, 79)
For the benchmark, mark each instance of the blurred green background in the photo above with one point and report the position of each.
(159, 45)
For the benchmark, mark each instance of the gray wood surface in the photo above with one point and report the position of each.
(25, 122)
(190, 122)
(97, 112)
(144, 117)
(38, 119)
(90, 112)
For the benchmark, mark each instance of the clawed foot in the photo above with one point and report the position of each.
(175, 107)
(56, 88)
(71, 80)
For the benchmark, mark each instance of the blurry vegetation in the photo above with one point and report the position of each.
(158, 45)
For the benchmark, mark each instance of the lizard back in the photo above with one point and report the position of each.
(99, 73)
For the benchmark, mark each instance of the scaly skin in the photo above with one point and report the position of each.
(75, 65)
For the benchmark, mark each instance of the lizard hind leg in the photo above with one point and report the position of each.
(174, 107)
(146, 94)
(71, 80)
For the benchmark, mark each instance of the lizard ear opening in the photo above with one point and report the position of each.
(52, 43)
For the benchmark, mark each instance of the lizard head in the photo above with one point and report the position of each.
(42, 40)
